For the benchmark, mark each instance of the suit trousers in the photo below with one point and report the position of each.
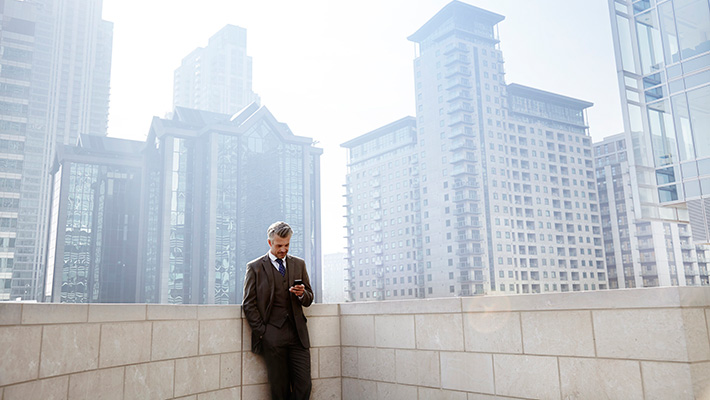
(288, 363)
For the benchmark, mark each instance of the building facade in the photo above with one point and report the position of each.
(213, 184)
(216, 78)
(662, 53)
(54, 85)
(92, 254)
(493, 188)
(641, 252)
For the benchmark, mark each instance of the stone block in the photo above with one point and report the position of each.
(394, 331)
(567, 333)
(358, 330)
(124, 343)
(69, 348)
(193, 397)
(481, 396)
(355, 389)
(220, 336)
(174, 339)
(117, 312)
(150, 380)
(349, 362)
(223, 394)
(196, 374)
(418, 367)
(253, 369)
(10, 314)
(19, 353)
(376, 364)
(314, 363)
(471, 372)
(422, 306)
(665, 380)
(524, 376)
(246, 336)
(329, 362)
(700, 374)
(171, 311)
(256, 392)
(697, 334)
(326, 389)
(44, 389)
(212, 311)
(440, 332)
(649, 334)
(103, 384)
(667, 297)
(322, 310)
(324, 331)
(439, 394)
(600, 378)
(231, 370)
(493, 332)
(47, 313)
(393, 391)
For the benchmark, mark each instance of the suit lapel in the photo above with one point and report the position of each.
(290, 270)
(269, 271)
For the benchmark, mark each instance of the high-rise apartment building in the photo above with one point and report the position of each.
(216, 78)
(95, 215)
(641, 252)
(492, 191)
(54, 85)
(662, 53)
(213, 185)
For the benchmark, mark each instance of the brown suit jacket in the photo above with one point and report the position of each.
(259, 297)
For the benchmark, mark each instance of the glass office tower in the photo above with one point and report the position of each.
(663, 59)
(213, 186)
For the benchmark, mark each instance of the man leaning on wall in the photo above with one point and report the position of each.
(276, 288)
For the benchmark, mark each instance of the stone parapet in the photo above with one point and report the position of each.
(639, 343)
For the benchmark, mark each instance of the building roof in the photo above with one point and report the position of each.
(109, 145)
(456, 9)
(526, 91)
(409, 120)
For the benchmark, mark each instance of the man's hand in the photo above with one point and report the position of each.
(298, 290)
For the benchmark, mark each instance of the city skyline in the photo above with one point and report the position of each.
(316, 55)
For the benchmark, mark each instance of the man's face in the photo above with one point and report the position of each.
(279, 245)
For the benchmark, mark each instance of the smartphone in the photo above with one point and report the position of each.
(297, 282)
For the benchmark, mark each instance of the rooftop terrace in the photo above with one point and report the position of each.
(623, 344)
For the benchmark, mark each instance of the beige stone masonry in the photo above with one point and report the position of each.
(630, 344)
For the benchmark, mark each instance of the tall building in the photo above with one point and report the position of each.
(641, 252)
(54, 85)
(492, 191)
(662, 53)
(94, 224)
(213, 185)
(216, 78)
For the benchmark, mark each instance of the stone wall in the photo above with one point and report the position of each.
(630, 344)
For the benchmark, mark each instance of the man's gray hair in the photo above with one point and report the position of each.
(279, 228)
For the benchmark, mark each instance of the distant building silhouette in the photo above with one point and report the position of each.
(217, 77)
(490, 190)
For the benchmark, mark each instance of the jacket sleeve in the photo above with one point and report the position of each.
(249, 304)
(308, 293)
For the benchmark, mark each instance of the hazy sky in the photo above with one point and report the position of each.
(333, 70)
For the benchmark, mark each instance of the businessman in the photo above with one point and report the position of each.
(276, 287)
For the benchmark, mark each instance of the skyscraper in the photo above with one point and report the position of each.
(213, 184)
(94, 222)
(492, 191)
(216, 78)
(662, 53)
(54, 84)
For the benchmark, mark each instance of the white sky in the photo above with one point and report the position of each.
(334, 70)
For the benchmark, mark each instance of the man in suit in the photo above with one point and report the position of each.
(273, 307)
